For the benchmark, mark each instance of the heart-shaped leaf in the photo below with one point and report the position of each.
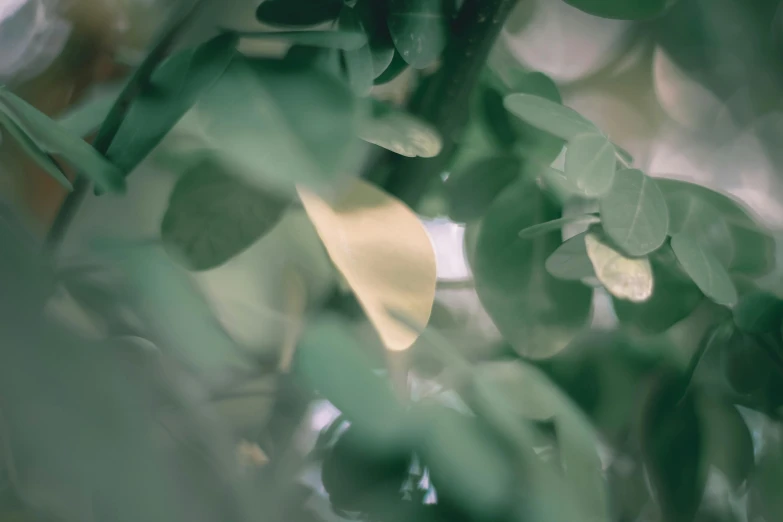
(401, 133)
(212, 217)
(419, 29)
(385, 271)
(470, 190)
(705, 270)
(623, 9)
(537, 314)
(570, 261)
(623, 277)
(296, 13)
(634, 213)
(549, 116)
(590, 164)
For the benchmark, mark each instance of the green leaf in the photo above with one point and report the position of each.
(372, 16)
(570, 261)
(276, 124)
(472, 189)
(729, 445)
(556, 224)
(759, 313)
(549, 116)
(358, 62)
(590, 164)
(212, 217)
(624, 278)
(674, 298)
(705, 270)
(746, 363)
(85, 118)
(702, 222)
(536, 313)
(419, 29)
(394, 69)
(49, 137)
(764, 499)
(348, 40)
(296, 13)
(44, 160)
(672, 447)
(173, 89)
(402, 133)
(634, 213)
(623, 9)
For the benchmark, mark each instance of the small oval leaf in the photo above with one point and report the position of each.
(624, 278)
(634, 213)
(590, 164)
(705, 270)
(419, 29)
(570, 261)
(547, 115)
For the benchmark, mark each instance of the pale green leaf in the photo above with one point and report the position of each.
(623, 277)
(547, 115)
(556, 224)
(570, 261)
(590, 164)
(702, 222)
(419, 29)
(705, 270)
(634, 213)
(402, 133)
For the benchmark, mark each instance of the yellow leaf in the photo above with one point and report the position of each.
(384, 253)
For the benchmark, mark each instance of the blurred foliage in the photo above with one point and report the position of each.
(124, 395)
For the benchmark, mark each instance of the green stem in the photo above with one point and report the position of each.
(445, 101)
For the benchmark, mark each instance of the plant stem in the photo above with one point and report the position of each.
(445, 101)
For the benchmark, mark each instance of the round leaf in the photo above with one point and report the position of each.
(570, 261)
(705, 270)
(590, 164)
(419, 29)
(387, 271)
(402, 133)
(624, 278)
(549, 116)
(623, 9)
(296, 13)
(634, 213)
(212, 217)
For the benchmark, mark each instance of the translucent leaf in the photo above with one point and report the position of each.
(549, 116)
(386, 271)
(705, 270)
(634, 213)
(212, 217)
(419, 29)
(297, 13)
(623, 277)
(590, 164)
(570, 261)
(402, 133)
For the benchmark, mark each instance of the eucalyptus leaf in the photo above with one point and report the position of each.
(348, 40)
(570, 261)
(470, 190)
(296, 13)
(590, 164)
(705, 270)
(537, 314)
(45, 136)
(556, 224)
(634, 213)
(759, 313)
(419, 29)
(547, 115)
(402, 133)
(173, 89)
(212, 217)
(623, 277)
(623, 9)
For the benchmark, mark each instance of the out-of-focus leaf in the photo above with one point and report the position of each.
(759, 313)
(634, 213)
(590, 164)
(470, 190)
(556, 224)
(296, 13)
(212, 217)
(624, 278)
(348, 40)
(535, 397)
(764, 499)
(358, 62)
(85, 118)
(746, 364)
(401, 133)
(729, 445)
(672, 447)
(537, 314)
(570, 260)
(549, 116)
(392, 71)
(387, 272)
(702, 223)
(174, 87)
(623, 9)
(45, 136)
(372, 16)
(705, 270)
(419, 29)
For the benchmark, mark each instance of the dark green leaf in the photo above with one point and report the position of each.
(394, 69)
(212, 217)
(623, 9)
(372, 15)
(705, 270)
(671, 441)
(623, 277)
(634, 213)
(173, 89)
(547, 115)
(419, 29)
(556, 224)
(348, 40)
(759, 313)
(358, 62)
(472, 189)
(402, 133)
(764, 499)
(296, 13)
(537, 314)
(590, 164)
(570, 261)
(323, 59)
(86, 118)
(746, 364)
(48, 137)
(729, 445)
